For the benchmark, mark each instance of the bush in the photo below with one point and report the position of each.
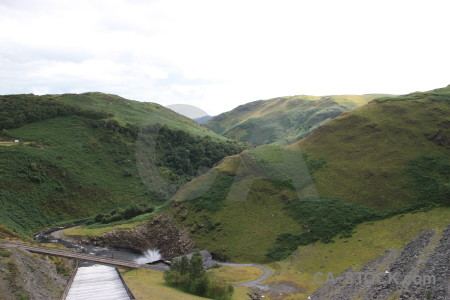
(212, 199)
(429, 176)
(20, 213)
(106, 219)
(18, 110)
(5, 254)
(322, 219)
(183, 154)
(119, 214)
(132, 211)
(190, 276)
(98, 218)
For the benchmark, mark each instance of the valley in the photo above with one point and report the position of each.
(358, 183)
(283, 120)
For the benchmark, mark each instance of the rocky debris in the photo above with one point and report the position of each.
(396, 277)
(331, 287)
(392, 280)
(32, 276)
(437, 267)
(341, 289)
(160, 233)
(281, 289)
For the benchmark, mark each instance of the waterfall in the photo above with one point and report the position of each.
(149, 256)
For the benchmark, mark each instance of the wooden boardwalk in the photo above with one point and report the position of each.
(81, 256)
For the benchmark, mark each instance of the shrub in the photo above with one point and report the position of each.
(190, 276)
(18, 110)
(119, 214)
(212, 199)
(429, 176)
(5, 254)
(323, 219)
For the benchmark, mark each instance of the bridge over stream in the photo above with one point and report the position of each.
(83, 256)
(83, 282)
(98, 281)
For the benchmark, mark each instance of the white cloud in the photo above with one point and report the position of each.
(219, 54)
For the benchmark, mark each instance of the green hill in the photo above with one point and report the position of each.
(387, 157)
(83, 154)
(282, 120)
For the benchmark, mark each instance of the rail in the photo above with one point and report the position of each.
(87, 257)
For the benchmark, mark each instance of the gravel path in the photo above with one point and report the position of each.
(252, 283)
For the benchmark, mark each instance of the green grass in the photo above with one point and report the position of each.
(369, 242)
(368, 151)
(7, 233)
(20, 213)
(376, 160)
(150, 285)
(282, 120)
(233, 275)
(73, 166)
(85, 231)
(242, 231)
(442, 94)
(135, 112)
(84, 152)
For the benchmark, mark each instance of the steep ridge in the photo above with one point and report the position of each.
(381, 159)
(283, 120)
(80, 154)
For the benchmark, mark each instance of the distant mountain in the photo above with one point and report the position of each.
(190, 111)
(203, 119)
(282, 120)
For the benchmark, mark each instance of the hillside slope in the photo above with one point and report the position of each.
(83, 154)
(389, 244)
(31, 276)
(282, 120)
(389, 156)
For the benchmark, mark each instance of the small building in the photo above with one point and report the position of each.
(16, 141)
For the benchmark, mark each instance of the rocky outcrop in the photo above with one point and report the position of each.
(31, 276)
(438, 267)
(406, 277)
(388, 284)
(340, 289)
(160, 233)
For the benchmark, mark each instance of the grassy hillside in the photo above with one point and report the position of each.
(389, 153)
(84, 154)
(384, 158)
(370, 241)
(150, 285)
(282, 120)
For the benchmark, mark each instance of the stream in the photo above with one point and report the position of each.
(50, 236)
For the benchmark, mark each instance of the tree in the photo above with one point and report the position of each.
(197, 269)
(184, 267)
(190, 276)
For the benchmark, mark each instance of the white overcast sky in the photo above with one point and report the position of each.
(219, 54)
